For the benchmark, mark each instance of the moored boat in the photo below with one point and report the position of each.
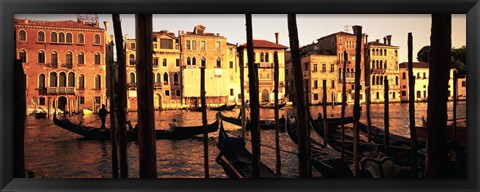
(272, 106)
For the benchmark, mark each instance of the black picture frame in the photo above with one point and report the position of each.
(9, 8)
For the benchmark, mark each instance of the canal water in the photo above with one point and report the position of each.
(53, 152)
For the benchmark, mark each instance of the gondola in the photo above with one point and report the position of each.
(224, 107)
(40, 115)
(238, 163)
(93, 133)
(264, 124)
(272, 106)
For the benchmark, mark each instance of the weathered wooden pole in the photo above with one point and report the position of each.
(254, 103)
(20, 105)
(204, 121)
(411, 108)
(301, 121)
(113, 118)
(146, 116)
(324, 103)
(386, 116)
(121, 96)
(356, 107)
(368, 99)
(455, 87)
(242, 90)
(344, 100)
(440, 51)
(277, 128)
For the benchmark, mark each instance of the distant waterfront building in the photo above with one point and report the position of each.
(421, 74)
(382, 62)
(64, 63)
(264, 58)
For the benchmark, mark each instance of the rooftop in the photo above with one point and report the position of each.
(56, 24)
(414, 65)
(257, 43)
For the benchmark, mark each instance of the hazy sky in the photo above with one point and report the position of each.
(310, 27)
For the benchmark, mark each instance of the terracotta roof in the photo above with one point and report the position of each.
(265, 44)
(167, 33)
(231, 44)
(374, 43)
(337, 33)
(57, 24)
(414, 65)
(204, 34)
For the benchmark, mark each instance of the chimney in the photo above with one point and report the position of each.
(105, 23)
(384, 40)
(218, 34)
(377, 40)
(276, 37)
(389, 39)
(25, 21)
(366, 38)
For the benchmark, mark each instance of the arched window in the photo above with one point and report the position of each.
(53, 37)
(97, 40)
(41, 36)
(378, 80)
(381, 80)
(385, 64)
(41, 56)
(53, 79)
(165, 78)
(69, 58)
(373, 80)
(376, 52)
(381, 64)
(159, 78)
(377, 63)
(132, 59)
(61, 37)
(373, 64)
(22, 55)
(97, 58)
(378, 95)
(81, 58)
(81, 38)
(194, 61)
(132, 78)
(22, 35)
(373, 51)
(54, 58)
(69, 38)
(396, 80)
(98, 82)
(189, 61)
(71, 79)
(385, 52)
(62, 79)
(204, 62)
(81, 82)
(175, 78)
(219, 63)
(267, 57)
(262, 57)
(41, 81)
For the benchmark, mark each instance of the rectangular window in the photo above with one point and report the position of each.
(404, 93)
(231, 92)
(306, 66)
(166, 44)
(332, 67)
(155, 62)
(82, 100)
(132, 45)
(188, 45)
(217, 45)
(324, 67)
(41, 101)
(177, 62)
(164, 62)
(424, 75)
(178, 92)
(202, 45)
(315, 68)
(419, 94)
(403, 75)
(424, 94)
(167, 92)
(194, 45)
(463, 84)
(394, 95)
(231, 64)
(333, 84)
(315, 96)
(315, 84)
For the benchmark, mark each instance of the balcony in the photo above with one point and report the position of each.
(265, 65)
(131, 86)
(42, 91)
(157, 85)
(60, 90)
(378, 71)
(51, 65)
(67, 65)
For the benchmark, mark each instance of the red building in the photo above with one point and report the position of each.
(64, 62)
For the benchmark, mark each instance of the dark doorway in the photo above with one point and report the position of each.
(62, 102)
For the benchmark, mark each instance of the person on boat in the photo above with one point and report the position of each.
(319, 118)
(173, 125)
(102, 113)
(281, 121)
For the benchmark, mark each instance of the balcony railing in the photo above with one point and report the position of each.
(378, 70)
(131, 86)
(42, 91)
(265, 65)
(61, 90)
(157, 85)
(51, 65)
(67, 65)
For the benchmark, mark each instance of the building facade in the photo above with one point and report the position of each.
(264, 58)
(64, 63)
(382, 62)
(421, 75)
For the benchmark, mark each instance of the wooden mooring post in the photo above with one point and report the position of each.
(146, 116)
(20, 105)
(204, 121)
(254, 103)
(121, 96)
(324, 103)
(344, 101)
(301, 121)
(386, 116)
(356, 107)
(242, 90)
(113, 118)
(277, 128)
(411, 108)
(455, 87)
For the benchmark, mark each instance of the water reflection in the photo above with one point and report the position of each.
(53, 152)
